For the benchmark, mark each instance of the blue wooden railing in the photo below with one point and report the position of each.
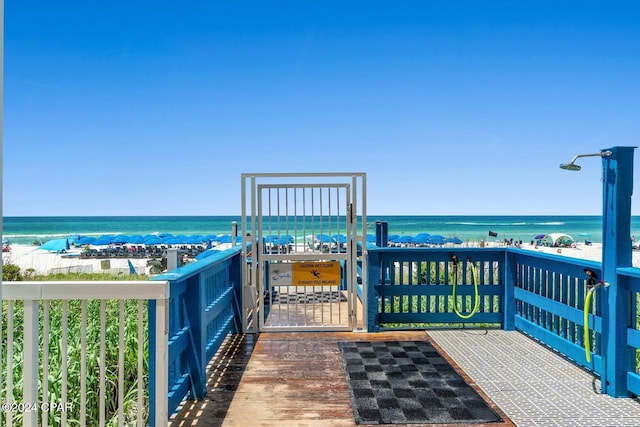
(541, 295)
(410, 287)
(204, 307)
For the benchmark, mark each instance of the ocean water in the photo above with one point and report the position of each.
(25, 230)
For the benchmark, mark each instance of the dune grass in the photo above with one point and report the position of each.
(73, 328)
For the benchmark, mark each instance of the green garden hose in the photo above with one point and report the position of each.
(457, 309)
(586, 339)
(587, 308)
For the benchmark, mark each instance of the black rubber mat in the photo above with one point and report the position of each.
(409, 382)
(309, 298)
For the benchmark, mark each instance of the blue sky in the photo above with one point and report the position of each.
(449, 107)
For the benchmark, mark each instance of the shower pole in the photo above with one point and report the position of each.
(617, 188)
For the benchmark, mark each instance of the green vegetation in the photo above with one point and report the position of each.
(436, 273)
(75, 329)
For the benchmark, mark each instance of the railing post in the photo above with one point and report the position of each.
(374, 274)
(509, 299)
(30, 360)
(382, 234)
(161, 357)
(235, 275)
(617, 188)
(194, 308)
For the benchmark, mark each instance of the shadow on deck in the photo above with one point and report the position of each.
(297, 379)
(290, 379)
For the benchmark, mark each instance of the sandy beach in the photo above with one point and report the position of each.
(43, 262)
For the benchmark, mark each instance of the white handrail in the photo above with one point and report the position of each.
(35, 398)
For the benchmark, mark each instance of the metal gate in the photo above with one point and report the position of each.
(303, 237)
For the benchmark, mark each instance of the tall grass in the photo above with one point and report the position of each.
(73, 327)
(435, 273)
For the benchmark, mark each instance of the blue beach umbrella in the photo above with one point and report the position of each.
(105, 239)
(422, 238)
(136, 239)
(224, 238)
(271, 238)
(171, 241)
(454, 240)
(339, 238)
(196, 239)
(152, 240)
(121, 238)
(86, 240)
(56, 245)
(436, 240)
(323, 238)
(285, 240)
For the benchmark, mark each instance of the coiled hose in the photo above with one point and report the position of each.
(454, 302)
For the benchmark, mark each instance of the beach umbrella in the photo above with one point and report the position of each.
(196, 239)
(421, 238)
(454, 240)
(285, 240)
(224, 238)
(171, 240)
(323, 238)
(271, 238)
(105, 239)
(136, 239)
(152, 240)
(339, 238)
(56, 245)
(539, 236)
(121, 238)
(86, 240)
(436, 240)
(404, 239)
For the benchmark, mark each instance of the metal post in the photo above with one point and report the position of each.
(617, 188)
(382, 233)
(234, 233)
(172, 259)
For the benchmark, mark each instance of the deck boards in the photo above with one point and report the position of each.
(290, 379)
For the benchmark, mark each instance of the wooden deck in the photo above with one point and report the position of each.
(283, 379)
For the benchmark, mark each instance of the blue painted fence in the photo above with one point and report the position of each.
(541, 295)
(410, 287)
(204, 307)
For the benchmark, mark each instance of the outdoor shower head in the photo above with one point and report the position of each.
(571, 166)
